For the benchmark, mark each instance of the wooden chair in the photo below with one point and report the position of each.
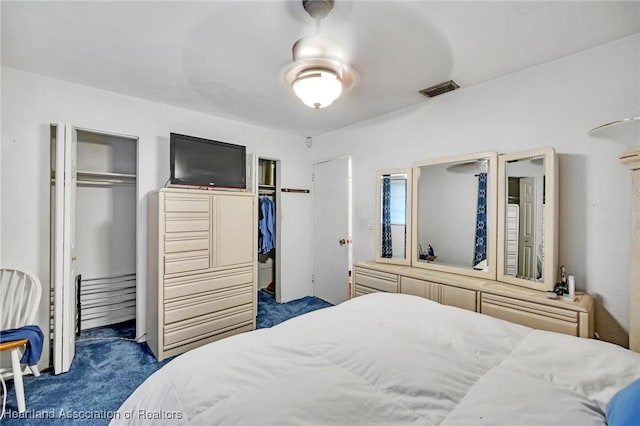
(20, 294)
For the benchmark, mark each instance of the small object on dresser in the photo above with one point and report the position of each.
(552, 294)
(572, 288)
(422, 253)
(561, 289)
(563, 275)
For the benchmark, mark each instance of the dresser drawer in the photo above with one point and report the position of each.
(197, 328)
(532, 315)
(415, 287)
(193, 306)
(380, 281)
(206, 282)
(361, 291)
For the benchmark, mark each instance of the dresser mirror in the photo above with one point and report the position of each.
(454, 214)
(393, 218)
(527, 217)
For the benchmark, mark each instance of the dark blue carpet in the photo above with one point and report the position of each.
(271, 312)
(107, 369)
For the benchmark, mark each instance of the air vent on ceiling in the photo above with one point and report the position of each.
(440, 88)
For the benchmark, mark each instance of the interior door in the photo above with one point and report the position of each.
(526, 249)
(64, 249)
(332, 229)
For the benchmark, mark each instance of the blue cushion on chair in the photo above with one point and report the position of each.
(624, 407)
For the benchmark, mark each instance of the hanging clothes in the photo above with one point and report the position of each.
(266, 226)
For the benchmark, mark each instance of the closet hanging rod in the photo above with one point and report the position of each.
(302, 191)
(109, 182)
(101, 182)
(106, 175)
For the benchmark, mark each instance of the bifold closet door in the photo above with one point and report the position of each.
(63, 248)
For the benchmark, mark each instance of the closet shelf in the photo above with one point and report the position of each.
(105, 178)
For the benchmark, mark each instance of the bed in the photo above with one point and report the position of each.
(387, 359)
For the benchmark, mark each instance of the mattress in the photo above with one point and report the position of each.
(387, 359)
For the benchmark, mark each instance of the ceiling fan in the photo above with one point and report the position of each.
(319, 73)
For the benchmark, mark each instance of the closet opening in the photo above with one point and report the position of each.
(106, 200)
(267, 226)
(101, 217)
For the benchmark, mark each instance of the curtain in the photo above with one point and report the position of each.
(386, 218)
(481, 221)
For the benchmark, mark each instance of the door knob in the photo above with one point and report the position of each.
(342, 241)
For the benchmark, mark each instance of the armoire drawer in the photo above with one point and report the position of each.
(206, 282)
(192, 306)
(532, 315)
(186, 261)
(200, 224)
(183, 332)
(381, 281)
(183, 203)
(186, 242)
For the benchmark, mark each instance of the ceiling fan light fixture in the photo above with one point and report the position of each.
(317, 87)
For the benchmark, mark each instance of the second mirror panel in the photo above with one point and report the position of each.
(454, 215)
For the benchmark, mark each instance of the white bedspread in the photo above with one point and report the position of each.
(387, 359)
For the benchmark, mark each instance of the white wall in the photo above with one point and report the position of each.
(30, 103)
(553, 104)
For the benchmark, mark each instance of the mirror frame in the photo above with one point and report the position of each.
(550, 237)
(492, 219)
(408, 217)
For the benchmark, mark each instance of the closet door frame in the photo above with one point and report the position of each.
(62, 274)
(277, 197)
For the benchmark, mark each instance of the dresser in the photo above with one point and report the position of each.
(516, 304)
(202, 269)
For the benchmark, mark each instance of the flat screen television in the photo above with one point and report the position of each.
(204, 162)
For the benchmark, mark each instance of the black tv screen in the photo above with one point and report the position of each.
(203, 162)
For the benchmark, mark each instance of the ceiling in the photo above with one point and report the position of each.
(228, 58)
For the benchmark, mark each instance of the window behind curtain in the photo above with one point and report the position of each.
(398, 201)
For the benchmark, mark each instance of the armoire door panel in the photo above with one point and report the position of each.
(233, 240)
